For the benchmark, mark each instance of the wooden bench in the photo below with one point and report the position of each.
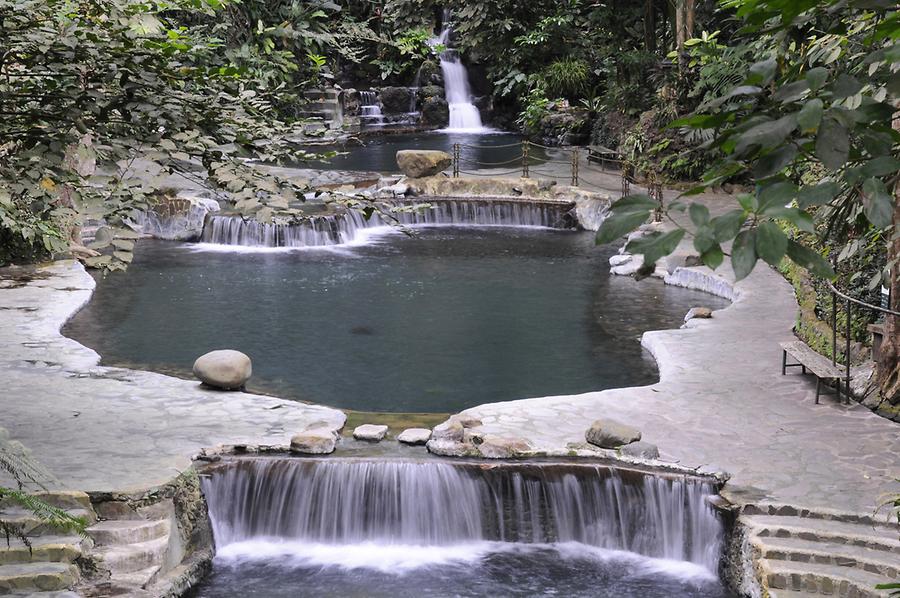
(601, 155)
(819, 365)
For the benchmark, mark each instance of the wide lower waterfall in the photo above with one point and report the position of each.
(348, 226)
(398, 502)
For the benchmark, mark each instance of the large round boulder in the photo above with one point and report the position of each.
(226, 369)
(422, 163)
(395, 100)
(435, 112)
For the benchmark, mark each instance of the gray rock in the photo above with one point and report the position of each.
(608, 433)
(431, 91)
(618, 260)
(423, 163)
(500, 447)
(450, 430)
(395, 100)
(640, 450)
(698, 312)
(226, 369)
(370, 432)
(451, 448)
(415, 436)
(435, 112)
(466, 421)
(317, 441)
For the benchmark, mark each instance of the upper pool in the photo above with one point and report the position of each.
(439, 322)
(502, 151)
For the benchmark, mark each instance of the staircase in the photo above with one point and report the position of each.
(132, 550)
(322, 111)
(50, 567)
(803, 554)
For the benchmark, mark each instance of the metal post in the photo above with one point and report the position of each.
(833, 328)
(847, 354)
(575, 167)
(455, 160)
(525, 159)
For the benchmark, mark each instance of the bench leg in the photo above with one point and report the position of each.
(783, 363)
(818, 388)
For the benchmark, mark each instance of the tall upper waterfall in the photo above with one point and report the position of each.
(464, 116)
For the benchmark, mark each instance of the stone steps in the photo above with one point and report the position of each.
(815, 578)
(876, 537)
(44, 549)
(809, 554)
(34, 526)
(132, 557)
(879, 562)
(128, 531)
(37, 577)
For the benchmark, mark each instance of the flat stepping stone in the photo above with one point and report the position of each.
(825, 530)
(127, 531)
(370, 432)
(44, 549)
(37, 577)
(815, 578)
(414, 436)
(829, 553)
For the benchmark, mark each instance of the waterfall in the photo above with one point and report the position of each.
(399, 502)
(464, 116)
(369, 111)
(350, 226)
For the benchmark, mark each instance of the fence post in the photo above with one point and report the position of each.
(626, 183)
(847, 354)
(833, 329)
(455, 160)
(575, 167)
(525, 159)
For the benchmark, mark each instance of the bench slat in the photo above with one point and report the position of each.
(820, 365)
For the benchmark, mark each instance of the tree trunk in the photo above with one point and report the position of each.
(888, 367)
(684, 27)
(650, 26)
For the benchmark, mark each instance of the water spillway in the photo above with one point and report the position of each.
(350, 226)
(434, 505)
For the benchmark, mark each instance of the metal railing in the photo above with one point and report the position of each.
(849, 302)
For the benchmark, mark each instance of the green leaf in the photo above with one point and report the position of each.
(817, 195)
(809, 259)
(816, 77)
(634, 203)
(791, 92)
(795, 216)
(832, 144)
(727, 226)
(699, 214)
(743, 254)
(845, 86)
(766, 135)
(773, 162)
(620, 224)
(776, 195)
(878, 203)
(771, 243)
(880, 166)
(656, 245)
(761, 73)
(810, 115)
(713, 257)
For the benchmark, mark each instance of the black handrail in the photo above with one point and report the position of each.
(850, 301)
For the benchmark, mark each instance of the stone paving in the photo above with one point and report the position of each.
(111, 429)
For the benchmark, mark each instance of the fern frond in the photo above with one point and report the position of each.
(11, 530)
(50, 515)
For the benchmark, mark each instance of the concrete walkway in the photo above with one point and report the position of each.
(110, 429)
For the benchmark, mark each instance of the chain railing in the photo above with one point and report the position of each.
(849, 302)
(529, 163)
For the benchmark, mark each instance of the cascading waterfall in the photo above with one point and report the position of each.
(369, 110)
(391, 503)
(464, 116)
(349, 226)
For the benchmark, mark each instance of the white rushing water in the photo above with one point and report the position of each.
(369, 110)
(464, 116)
(399, 515)
(351, 228)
